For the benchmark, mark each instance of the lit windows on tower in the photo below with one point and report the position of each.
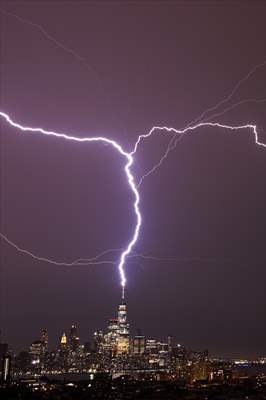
(74, 339)
(123, 331)
(6, 367)
(44, 338)
(63, 340)
(139, 345)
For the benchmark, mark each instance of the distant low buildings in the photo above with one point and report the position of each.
(116, 352)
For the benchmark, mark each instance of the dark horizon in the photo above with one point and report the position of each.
(146, 64)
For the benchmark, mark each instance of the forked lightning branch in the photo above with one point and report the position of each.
(129, 176)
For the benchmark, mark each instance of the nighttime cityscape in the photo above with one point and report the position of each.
(118, 365)
(133, 200)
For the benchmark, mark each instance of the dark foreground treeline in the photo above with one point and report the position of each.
(139, 390)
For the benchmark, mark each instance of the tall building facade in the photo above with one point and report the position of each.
(116, 341)
(44, 338)
(6, 367)
(123, 331)
(3, 353)
(111, 337)
(139, 345)
(74, 339)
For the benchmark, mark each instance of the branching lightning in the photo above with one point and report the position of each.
(177, 136)
(97, 260)
(204, 119)
(90, 261)
(128, 173)
(52, 39)
(192, 128)
(128, 251)
(201, 117)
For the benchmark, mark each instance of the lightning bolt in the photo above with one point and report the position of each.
(88, 261)
(175, 139)
(52, 39)
(97, 259)
(177, 134)
(192, 128)
(129, 177)
(128, 156)
(202, 118)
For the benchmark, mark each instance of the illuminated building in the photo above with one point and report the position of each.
(123, 326)
(63, 341)
(152, 346)
(163, 354)
(63, 346)
(152, 350)
(99, 341)
(123, 331)
(122, 345)
(157, 352)
(36, 351)
(44, 338)
(199, 371)
(178, 360)
(63, 352)
(6, 367)
(111, 337)
(3, 352)
(74, 339)
(199, 366)
(139, 344)
(171, 343)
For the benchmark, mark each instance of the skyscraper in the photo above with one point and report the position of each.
(63, 351)
(3, 353)
(99, 341)
(139, 344)
(44, 338)
(123, 330)
(6, 367)
(74, 339)
(3, 350)
(36, 350)
(63, 342)
(111, 337)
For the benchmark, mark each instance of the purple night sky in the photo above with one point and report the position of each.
(147, 63)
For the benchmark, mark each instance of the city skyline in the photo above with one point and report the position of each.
(115, 337)
(114, 327)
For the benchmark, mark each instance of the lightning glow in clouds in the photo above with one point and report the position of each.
(129, 159)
